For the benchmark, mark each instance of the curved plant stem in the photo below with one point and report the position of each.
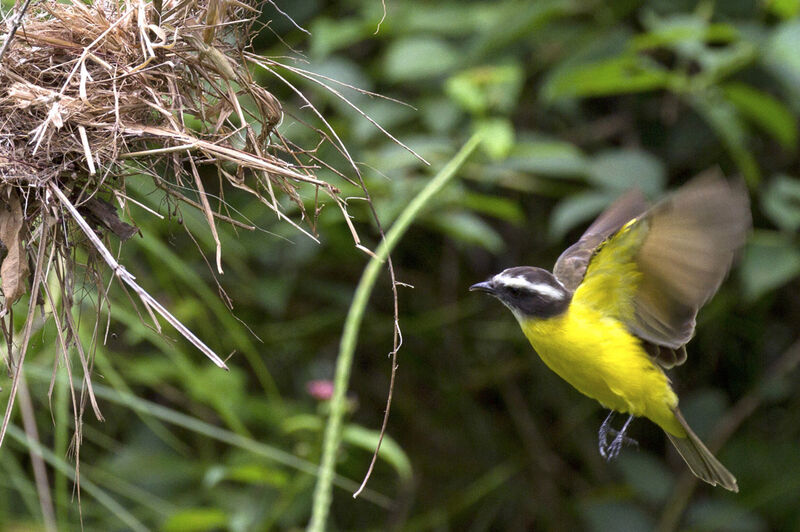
(347, 345)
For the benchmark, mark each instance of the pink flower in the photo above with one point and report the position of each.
(320, 389)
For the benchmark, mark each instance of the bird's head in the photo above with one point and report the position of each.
(529, 292)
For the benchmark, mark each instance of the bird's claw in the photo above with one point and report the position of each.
(610, 450)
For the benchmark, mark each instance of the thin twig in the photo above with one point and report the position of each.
(306, 75)
(295, 24)
(15, 24)
(129, 280)
(383, 17)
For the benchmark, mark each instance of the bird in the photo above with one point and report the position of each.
(621, 304)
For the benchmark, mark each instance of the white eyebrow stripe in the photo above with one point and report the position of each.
(520, 282)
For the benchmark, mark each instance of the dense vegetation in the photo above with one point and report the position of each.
(578, 101)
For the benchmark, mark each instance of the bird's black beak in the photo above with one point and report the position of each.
(485, 286)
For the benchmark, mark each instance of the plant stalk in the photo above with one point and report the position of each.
(347, 345)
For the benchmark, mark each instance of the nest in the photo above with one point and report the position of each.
(91, 94)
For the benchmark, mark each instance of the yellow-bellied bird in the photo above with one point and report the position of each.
(621, 304)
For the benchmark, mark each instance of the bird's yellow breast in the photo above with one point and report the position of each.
(601, 359)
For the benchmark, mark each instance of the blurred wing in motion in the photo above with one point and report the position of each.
(656, 272)
(572, 263)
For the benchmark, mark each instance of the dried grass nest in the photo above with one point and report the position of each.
(93, 93)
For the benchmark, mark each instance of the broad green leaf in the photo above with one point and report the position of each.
(486, 88)
(440, 114)
(259, 474)
(344, 71)
(514, 22)
(360, 437)
(765, 111)
(781, 57)
(388, 114)
(499, 207)
(771, 259)
(626, 168)
(576, 209)
(682, 32)
(785, 9)
(548, 157)
(618, 75)
(391, 452)
(416, 58)
(196, 520)
(419, 17)
(781, 202)
(677, 32)
(328, 35)
(497, 136)
(469, 229)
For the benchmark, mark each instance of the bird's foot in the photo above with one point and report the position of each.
(610, 450)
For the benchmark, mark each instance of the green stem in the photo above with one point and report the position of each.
(347, 345)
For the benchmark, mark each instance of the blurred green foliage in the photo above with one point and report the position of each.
(581, 101)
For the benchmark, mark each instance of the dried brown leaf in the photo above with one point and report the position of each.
(101, 213)
(14, 270)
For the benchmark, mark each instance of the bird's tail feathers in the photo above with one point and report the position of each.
(700, 460)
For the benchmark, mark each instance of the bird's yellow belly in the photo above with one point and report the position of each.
(602, 360)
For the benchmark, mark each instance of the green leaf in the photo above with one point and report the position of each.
(576, 209)
(388, 114)
(258, 474)
(360, 437)
(390, 451)
(619, 75)
(468, 228)
(785, 9)
(781, 57)
(497, 137)
(771, 259)
(415, 17)
(419, 58)
(440, 114)
(684, 33)
(622, 169)
(501, 208)
(196, 520)
(765, 111)
(548, 157)
(781, 202)
(725, 121)
(328, 35)
(719, 63)
(486, 88)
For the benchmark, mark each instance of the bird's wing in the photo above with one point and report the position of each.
(571, 266)
(656, 272)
